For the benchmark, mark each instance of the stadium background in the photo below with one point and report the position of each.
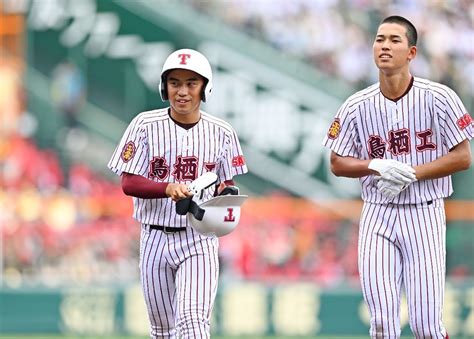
(74, 73)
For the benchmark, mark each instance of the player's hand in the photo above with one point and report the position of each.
(177, 191)
(220, 188)
(393, 170)
(388, 188)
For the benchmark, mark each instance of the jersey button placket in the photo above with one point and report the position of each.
(185, 142)
(392, 115)
(399, 111)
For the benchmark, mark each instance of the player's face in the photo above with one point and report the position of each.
(184, 93)
(392, 53)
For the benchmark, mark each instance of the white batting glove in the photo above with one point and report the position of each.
(201, 183)
(388, 188)
(393, 170)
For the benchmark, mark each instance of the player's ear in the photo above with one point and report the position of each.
(412, 53)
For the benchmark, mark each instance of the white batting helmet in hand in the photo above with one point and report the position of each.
(216, 216)
(191, 60)
(221, 215)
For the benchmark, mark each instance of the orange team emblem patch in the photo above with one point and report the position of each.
(335, 129)
(128, 151)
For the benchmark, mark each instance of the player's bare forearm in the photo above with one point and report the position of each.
(458, 159)
(349, 166)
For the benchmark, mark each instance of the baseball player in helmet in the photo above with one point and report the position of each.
(165, 156)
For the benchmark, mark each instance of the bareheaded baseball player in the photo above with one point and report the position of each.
(402, 137)
(172, 156)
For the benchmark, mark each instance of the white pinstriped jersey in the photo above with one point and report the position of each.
(418, 128)
(155, 147)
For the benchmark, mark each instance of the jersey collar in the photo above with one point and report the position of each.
(410, 85)
(180, 124)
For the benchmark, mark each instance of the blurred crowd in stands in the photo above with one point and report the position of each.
(53, 234)
(283, 238)
(336, 36)
(53, 231)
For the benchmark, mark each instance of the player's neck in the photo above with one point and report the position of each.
(395, 86)
(188, 118)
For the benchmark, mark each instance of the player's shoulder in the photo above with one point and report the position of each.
(151, 116)
(217, 122)
(362, 96)
(432, 87)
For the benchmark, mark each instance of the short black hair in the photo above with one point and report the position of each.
(412, 34)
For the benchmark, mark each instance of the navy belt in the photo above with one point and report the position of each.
(167, 229)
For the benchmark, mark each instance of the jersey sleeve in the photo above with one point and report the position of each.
(342, 136)
(233, 161)
(456, 122)
(131, 153)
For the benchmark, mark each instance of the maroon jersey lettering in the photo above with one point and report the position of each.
(185, 168)
(158, 168)
(399, 141)
(376, 147)
(425, 137)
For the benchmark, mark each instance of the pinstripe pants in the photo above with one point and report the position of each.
(403, 245)
(179, 276)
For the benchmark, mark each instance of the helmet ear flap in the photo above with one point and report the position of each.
(163, 90)
(204, 90)
(207, 89)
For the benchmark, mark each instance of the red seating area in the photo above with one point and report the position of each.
(74, 232)
(283, 238)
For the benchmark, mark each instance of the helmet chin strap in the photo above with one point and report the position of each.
(189, 205)
(195, 210)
